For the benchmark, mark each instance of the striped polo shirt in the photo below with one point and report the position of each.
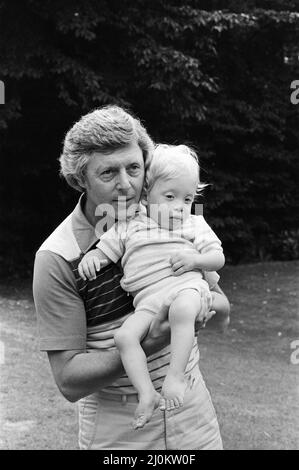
(74, 314)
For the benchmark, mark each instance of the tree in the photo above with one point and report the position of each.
(217, 79)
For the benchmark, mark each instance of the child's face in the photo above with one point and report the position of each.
(169, 201)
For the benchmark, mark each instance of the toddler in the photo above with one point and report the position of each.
(164, 251)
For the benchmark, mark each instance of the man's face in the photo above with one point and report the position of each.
(114, 177)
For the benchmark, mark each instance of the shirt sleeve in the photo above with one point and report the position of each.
(112, 242)
(205, 238)
(60, 310)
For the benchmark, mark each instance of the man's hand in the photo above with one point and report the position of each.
(221, 305)
(183, 261)
(205, 313)
(159, 334)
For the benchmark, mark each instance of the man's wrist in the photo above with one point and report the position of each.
(154, 345)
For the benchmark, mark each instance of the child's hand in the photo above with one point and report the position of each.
(182, 261)
(89, 265)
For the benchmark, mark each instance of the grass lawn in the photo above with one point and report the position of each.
(253, 383)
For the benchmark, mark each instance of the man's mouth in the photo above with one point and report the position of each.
(124, 199)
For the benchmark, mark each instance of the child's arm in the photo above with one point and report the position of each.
(190, 260)
(92, 261)
(109, 249)
(209, 261)
(210, 253)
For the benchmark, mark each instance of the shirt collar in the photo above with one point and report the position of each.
(83, 230)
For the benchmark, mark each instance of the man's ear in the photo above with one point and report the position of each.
(83, 183)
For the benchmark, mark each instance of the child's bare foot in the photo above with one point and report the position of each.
(144, 411)
(173, 391)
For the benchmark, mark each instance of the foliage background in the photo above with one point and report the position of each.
(215, 74)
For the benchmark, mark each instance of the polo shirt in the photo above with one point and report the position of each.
(74, 314)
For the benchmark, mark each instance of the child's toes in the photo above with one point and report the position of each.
(162, 404)
(170, 405)
(176, 402)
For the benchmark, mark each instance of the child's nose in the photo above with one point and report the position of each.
(178, 212)
(179, 206)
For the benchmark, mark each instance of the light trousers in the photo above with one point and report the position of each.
(105, 422)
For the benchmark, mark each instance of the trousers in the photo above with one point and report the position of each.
(105, 422)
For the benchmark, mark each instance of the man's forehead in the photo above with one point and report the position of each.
(118, 157)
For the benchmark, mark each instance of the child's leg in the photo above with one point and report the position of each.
(182, 314)
(127, 340)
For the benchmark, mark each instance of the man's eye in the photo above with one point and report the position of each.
(107, 172)
(134, 168)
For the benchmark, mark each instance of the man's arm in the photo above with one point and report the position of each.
(62, 328)
(78, 374)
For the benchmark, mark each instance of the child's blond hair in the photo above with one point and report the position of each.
(168, 161)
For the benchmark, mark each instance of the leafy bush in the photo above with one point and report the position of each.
(218, 79)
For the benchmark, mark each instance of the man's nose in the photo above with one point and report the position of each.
(123, 182)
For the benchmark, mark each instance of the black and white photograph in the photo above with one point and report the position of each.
(149, 242)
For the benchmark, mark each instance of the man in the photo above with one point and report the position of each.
(105, 156)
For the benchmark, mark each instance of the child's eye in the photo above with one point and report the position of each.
(188, 200)
(169, 196)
